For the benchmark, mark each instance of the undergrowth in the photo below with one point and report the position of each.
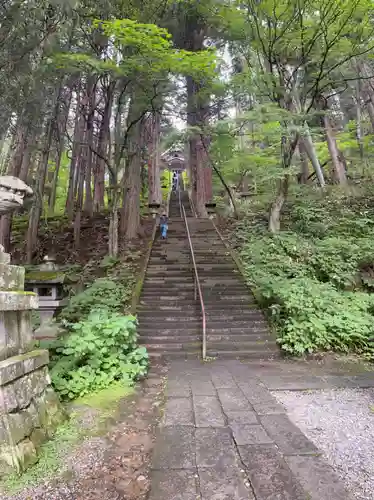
(99, 346)
(315, 277)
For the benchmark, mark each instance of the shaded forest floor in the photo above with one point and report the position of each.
(90, 260)
(56, 236)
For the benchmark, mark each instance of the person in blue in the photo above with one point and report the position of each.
(164, 225)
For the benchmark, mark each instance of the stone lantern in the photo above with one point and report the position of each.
(47, 283)
(211, 209)
(154, 209)
(29, 407)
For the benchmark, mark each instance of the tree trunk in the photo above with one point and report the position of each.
(18, 149)
(62, 121)
(338, 169)
(277, 206)
(76, 152)
(79, 204)
(304, 164)
(195, 119)
(367, 89)
(113, 225)
(103, 150)
(91, 98)
(36, 210)
(288, 150)
(154, 184)
(311, 152)
(131, 214)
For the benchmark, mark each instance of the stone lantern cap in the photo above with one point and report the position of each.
(13, 191)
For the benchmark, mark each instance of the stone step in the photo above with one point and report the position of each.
(166, 308)
(165, 348)
(244, 336)
(150, 326)
(243, 353)
(164, 339)
(160, 317)
(167, 288)
(255, 327)
(181, 266)
(167, 279)
(174, 298)
(247, 345)
(190, 314)
(182, 274)
(166, 331)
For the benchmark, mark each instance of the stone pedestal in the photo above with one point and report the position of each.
(29, 408)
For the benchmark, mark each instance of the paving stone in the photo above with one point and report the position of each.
(287, 436)
(204, 388)
(233, 400)
(175, 448)
(317, 478)
(228, 486)
(270, 476)
(256, 393)
(242, 417)
(215, 448)
(250, 434)
(173, 485)
(208, 412)
(222, 379)
(270, 408)
(339, 381)
(364, 380)
(176, 388)
(293, 383)
(178, 411)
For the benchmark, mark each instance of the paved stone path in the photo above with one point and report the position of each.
(224, 437)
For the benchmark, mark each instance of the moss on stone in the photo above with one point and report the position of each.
(44, 275)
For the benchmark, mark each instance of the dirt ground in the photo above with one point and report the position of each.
(116, 465)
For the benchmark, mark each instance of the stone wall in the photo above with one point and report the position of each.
(29, 408)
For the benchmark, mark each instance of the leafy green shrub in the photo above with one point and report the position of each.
(313, 278)
(315, 316)
(100, 350)
(102, 294)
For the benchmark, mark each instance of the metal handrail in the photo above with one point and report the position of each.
(196, 278)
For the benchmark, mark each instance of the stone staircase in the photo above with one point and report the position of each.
(235, 325)
(170, 321)
(169, 318)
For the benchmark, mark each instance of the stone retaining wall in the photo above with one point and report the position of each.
(29, 408)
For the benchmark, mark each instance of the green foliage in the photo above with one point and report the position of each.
(141, 50)
(108, 262)
(98, 351)
(102, 294)
(315, 278)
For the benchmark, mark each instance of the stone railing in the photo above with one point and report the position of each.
(29, 407)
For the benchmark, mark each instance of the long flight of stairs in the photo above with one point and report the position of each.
(169, 319)
(235, 325)
(170, 322)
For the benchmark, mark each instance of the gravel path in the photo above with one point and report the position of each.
(340, 422)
